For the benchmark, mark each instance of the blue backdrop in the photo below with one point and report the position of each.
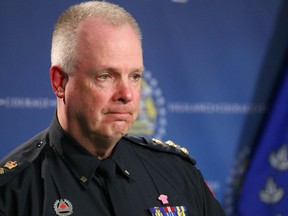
(202, 59)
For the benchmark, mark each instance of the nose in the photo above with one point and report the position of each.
(123, 92)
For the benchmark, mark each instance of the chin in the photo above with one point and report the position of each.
(116, 130)
(115, 134)
(120, 128)
(120, 133)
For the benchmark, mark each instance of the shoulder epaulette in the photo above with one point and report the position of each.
(168, 146)
(21, 157)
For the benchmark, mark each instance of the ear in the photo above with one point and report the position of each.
(58, 79)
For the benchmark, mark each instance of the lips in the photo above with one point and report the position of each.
(120, 116)
(122, 113)
(119, 113)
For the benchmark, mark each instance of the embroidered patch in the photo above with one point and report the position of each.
(63, 207)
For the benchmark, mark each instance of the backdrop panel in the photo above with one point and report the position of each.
(202, 61)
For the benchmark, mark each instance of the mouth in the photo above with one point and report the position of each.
(120, 116)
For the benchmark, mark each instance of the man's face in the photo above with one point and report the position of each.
(102, 95)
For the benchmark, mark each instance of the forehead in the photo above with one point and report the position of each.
(95, 27)
(102, 43)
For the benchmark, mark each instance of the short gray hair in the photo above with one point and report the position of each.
(63, 50)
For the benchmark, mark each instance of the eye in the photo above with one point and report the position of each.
(104, 77)
(137, 76)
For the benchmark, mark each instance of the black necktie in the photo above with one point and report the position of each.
(117, 197)
(107, 168)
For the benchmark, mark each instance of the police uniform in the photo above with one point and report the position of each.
(52, 174)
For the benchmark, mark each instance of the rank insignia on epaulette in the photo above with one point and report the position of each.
(1, 171)
(171, 143)
(168, 210)
(11, 164)
(157, 141)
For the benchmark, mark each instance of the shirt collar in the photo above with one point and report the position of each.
(122, 156)
(82, 163)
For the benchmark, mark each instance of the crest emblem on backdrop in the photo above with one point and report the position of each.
(151, 120)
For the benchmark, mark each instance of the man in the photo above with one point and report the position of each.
(84, 163)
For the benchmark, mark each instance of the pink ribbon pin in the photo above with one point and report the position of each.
(163, 198)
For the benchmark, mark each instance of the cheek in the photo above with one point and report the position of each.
(97, 101)
(138, 95)
(79, 95)
(137, 103)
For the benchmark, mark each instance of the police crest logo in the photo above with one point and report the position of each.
(151, 120)
(63, 207)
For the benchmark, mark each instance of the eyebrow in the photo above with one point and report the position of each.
(114, 70)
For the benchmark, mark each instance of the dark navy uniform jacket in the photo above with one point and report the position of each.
(52, 174)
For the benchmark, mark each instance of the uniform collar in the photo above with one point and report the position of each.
(81, 162)
(122, 156)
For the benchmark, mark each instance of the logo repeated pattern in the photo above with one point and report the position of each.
(273, 192)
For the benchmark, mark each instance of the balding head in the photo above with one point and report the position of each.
(63, 52)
